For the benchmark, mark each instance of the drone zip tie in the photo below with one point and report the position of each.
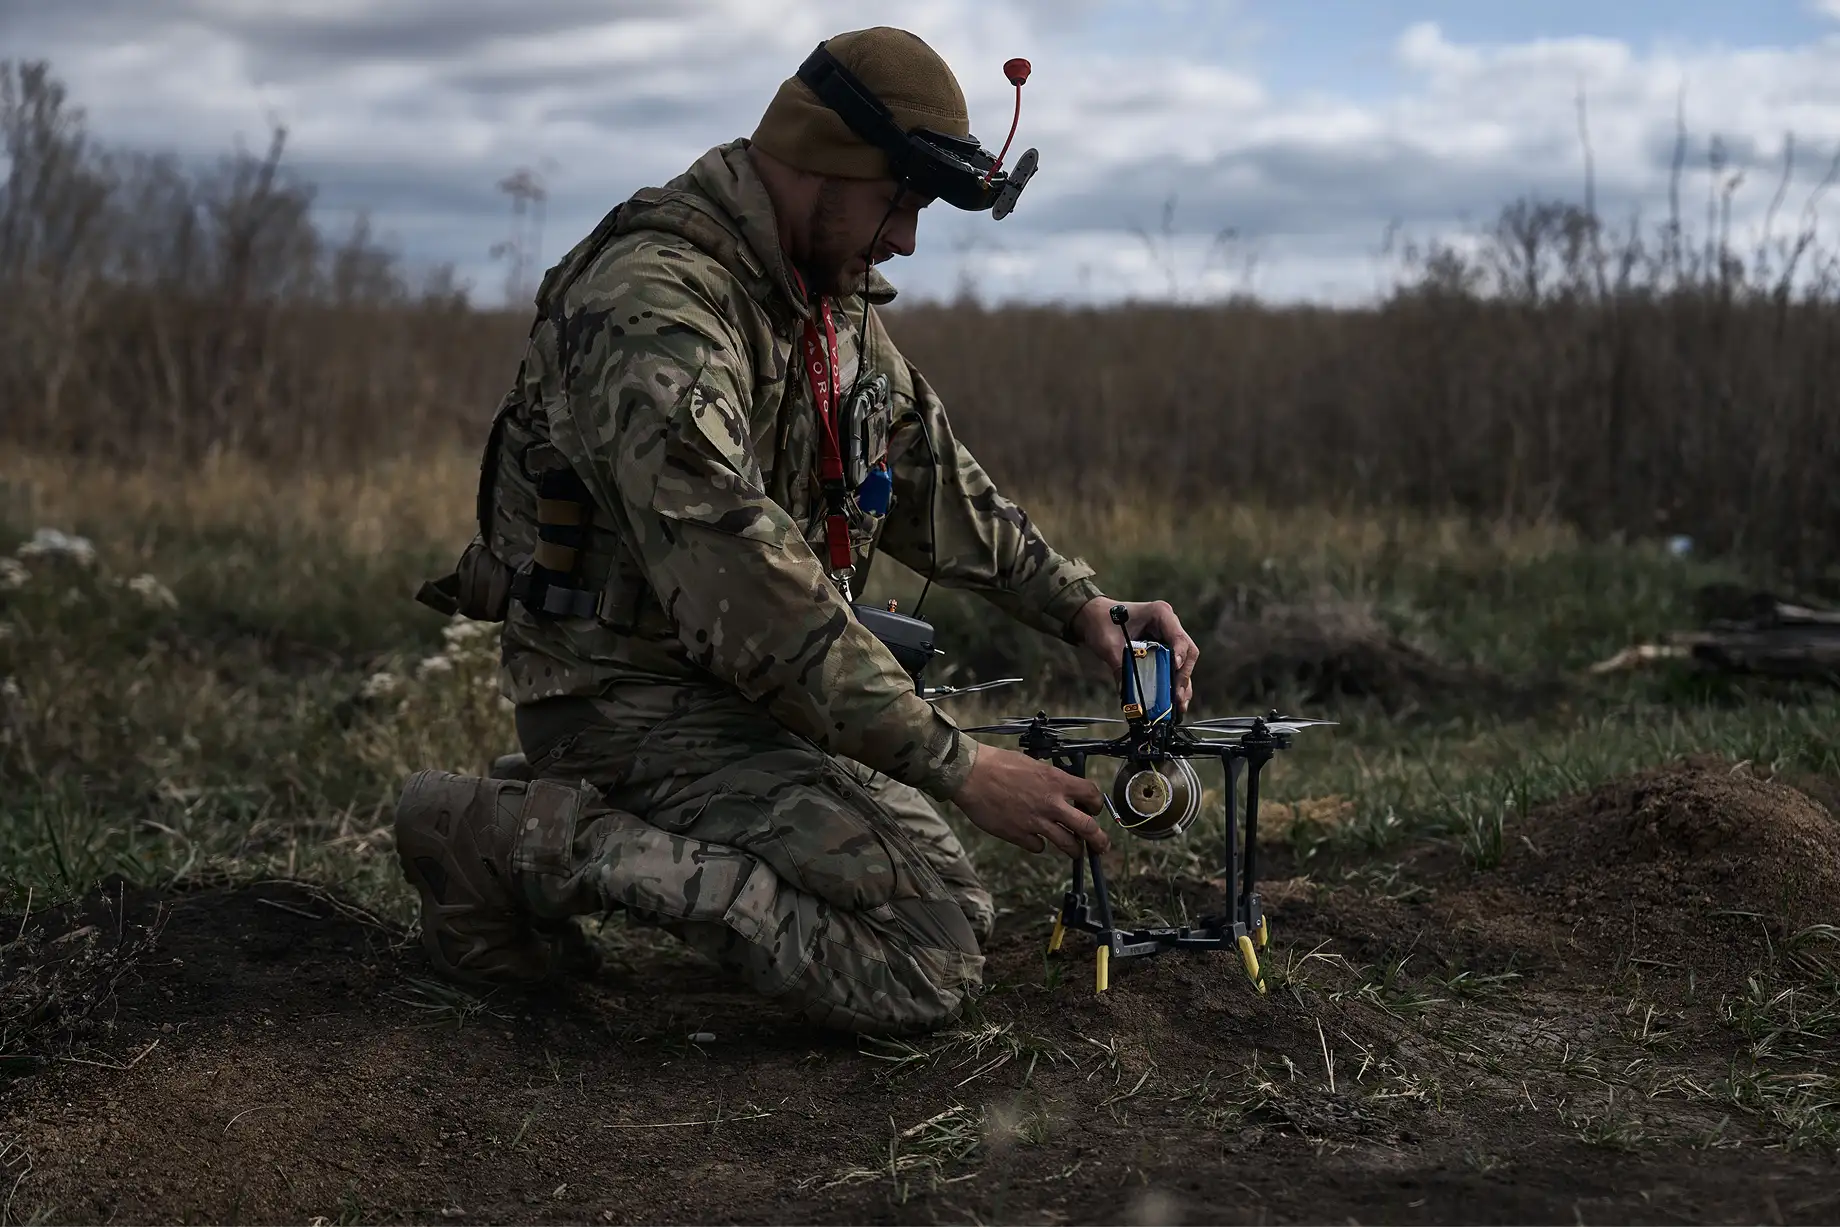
(1157, 795)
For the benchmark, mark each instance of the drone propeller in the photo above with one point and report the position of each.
(1271, 726)
(1246, 722)
(1022, 724)
(932, 693)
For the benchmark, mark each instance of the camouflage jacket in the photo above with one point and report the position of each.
(662, 370)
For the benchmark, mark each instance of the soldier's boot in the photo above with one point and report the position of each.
(460, 841)
(575, 954)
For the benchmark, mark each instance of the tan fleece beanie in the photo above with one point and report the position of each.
(907, 75)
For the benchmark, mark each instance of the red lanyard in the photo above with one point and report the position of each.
(820, 360)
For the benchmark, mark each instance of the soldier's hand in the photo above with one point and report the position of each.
(1094, 628)
(1031, 804)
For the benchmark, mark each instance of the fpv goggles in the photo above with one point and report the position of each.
(955, 169)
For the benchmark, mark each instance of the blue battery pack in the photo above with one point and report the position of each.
(1145, 690)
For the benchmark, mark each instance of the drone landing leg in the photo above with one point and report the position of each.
(1251, 914)
(1229, 863)
(1240, 895)
(1073, 906)
(1236, 872)
(1102, 975)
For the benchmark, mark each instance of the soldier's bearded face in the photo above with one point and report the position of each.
(846, 219)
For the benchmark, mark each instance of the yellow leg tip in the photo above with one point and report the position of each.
(1054, 938)
(1103, 975)
(1250, 957)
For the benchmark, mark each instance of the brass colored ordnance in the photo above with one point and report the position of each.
(1157, 800)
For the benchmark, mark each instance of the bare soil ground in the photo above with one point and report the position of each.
(1570, 1035)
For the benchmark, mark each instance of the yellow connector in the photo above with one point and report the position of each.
(1054, 938)
(1103, 976)
(1251, 959)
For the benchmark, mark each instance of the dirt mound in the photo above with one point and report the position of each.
(1702, 835)
(1328, 649)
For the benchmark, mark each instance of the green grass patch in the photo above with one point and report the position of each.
(260, 719)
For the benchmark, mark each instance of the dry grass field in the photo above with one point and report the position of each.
(1550, 945)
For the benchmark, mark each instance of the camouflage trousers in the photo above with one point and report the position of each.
(833, 889)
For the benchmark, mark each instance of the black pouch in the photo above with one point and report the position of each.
(479, 587)
(910, 639)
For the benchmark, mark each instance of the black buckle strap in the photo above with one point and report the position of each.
(543, 592)
(441, 595)
(570, 536)
(562, 484)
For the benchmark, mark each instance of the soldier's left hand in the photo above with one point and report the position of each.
(1093, 627)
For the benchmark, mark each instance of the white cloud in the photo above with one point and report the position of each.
(416, 108)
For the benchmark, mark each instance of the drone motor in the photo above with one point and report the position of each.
(1157, 799)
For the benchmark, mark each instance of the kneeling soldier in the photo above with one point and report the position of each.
(709, 437)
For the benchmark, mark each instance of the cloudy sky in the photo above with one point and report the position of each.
(1304, 127)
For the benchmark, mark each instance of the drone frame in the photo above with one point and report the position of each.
(1242, 924)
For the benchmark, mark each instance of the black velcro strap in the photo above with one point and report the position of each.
(572, 536)
(570, 602)
(539, 590)
(562, 484)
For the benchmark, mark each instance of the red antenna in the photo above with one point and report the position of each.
(1017, 70)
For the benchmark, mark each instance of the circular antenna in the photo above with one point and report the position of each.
(1016, 70)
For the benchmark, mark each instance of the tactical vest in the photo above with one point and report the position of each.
(538, 542)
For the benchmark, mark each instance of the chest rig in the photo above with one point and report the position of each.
(537, 541)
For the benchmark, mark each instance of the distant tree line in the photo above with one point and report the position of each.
(1643, 379)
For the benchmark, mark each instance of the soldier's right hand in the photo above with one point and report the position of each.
(1026, 802)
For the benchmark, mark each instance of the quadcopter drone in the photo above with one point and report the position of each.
(1156, 793)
